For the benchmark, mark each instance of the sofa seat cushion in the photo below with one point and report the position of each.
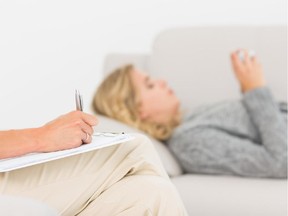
(208, 195)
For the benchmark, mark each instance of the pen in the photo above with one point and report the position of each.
(79, 106)
(78, 100)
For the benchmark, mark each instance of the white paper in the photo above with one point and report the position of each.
(98, 142)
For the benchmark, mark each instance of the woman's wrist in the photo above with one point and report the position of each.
(37, 141)
(250, 87)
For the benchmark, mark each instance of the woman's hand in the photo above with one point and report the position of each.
(248, 71)
(65, 132)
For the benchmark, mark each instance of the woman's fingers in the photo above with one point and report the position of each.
(87, 138)
(89, 119)
(88, 132)
(247, 70)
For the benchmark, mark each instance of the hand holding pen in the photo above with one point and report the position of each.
(65, 132)
(79, 107)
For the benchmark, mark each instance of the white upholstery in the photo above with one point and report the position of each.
(113, 61)
(195, 61)
(232, 196)
(169, 162)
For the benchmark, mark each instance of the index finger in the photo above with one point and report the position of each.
(236, 62)
(89, 119)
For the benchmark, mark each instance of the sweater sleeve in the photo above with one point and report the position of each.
(272, 128)
(213, 150)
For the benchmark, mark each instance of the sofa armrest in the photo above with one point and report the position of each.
(170, 164)
(114, 60)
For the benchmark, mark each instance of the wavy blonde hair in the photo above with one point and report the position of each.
(116, 97)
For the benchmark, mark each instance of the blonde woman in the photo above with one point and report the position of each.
(246, 137)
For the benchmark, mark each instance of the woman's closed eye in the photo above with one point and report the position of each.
(149, 83)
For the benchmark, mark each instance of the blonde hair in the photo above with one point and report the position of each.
(116, 97)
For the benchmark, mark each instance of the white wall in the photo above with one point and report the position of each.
(49, 48)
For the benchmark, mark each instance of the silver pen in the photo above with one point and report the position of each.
(79, 106)
(78, 100)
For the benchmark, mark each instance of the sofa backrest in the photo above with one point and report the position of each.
(196, 60)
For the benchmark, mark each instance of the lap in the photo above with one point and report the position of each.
(69, 183)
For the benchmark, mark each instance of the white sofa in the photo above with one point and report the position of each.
(195, 62)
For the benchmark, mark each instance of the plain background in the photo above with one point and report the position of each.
(50, 48)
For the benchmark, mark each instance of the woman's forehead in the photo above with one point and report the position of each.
(138, 76)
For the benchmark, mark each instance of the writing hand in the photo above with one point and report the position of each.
(67, 131)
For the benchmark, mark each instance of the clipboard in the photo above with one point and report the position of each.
(100, 140)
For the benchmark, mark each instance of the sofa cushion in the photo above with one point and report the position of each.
(208, 195)
(169, 162)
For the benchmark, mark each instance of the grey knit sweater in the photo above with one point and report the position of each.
(246, 137)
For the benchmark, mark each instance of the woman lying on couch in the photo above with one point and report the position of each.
(246, 137)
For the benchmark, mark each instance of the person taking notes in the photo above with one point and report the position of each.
(100, 182)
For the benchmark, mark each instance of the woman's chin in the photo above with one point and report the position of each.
(178, 105)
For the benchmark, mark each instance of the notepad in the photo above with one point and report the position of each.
(101, 140)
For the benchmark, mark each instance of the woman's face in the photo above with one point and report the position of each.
(158, 103)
